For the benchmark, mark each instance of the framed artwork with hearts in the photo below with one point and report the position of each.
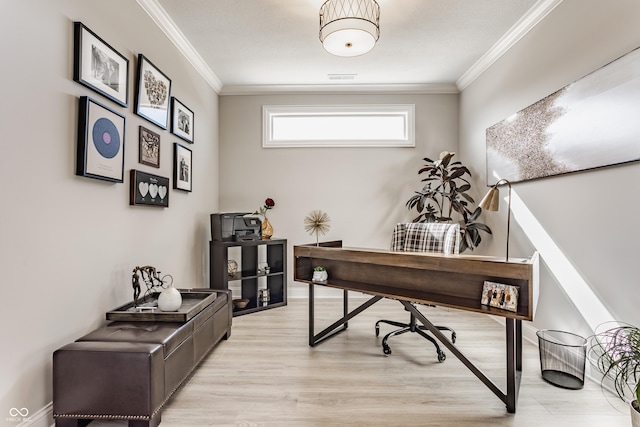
(148, 189)
(182, 171)
(100, 152)
(153, 93)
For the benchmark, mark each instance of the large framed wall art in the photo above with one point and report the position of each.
(153, 92)
(100, 152)
(100, 67)
(588, 124)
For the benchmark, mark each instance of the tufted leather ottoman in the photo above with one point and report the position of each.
(116, 380)
(128, 370)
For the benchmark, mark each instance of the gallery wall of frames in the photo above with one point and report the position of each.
(101, 129)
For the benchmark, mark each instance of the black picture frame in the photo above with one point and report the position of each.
(148, 147)
(148, 189)
(182, 120)
(153, 92)
(99, 66)
(182, 168)
(101, 138)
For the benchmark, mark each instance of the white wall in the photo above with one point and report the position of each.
(590, 216)
(68, 244)
(363, 190)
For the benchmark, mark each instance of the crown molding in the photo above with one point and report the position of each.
(166, 24)
(536, 14)
(533, 16)
(344, 89)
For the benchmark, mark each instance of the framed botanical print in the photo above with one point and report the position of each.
(153, 92)
(181, 120)
(149, 147)
(100, 152)
(100, 67)
(182, 170)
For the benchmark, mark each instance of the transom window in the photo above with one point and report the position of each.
(338, 125)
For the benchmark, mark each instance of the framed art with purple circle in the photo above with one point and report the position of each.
(100, 152)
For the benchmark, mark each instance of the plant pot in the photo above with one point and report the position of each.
(635, 413)
(320, 276)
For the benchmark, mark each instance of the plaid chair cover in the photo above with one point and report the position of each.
(426, 237)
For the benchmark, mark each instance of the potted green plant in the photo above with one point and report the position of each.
(319, 274)
(445, 194)
(615, 352)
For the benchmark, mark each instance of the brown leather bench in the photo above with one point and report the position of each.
(128, 370)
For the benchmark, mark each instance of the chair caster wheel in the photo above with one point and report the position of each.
(441, 356)
(453, 337)
(386, 350)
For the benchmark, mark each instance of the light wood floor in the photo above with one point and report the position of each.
(267, 375)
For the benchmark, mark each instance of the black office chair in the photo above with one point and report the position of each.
(422, 237)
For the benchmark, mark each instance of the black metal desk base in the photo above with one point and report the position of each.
(513, 330)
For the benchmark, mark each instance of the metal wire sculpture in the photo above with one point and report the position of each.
(153, 281)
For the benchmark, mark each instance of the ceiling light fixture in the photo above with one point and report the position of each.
(349, 27)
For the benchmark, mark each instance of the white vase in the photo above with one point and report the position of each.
(169, 299)
(635, 414)
(320, 276)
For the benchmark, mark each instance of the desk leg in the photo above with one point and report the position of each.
(514, 357)
(342, 323)
(514, 362)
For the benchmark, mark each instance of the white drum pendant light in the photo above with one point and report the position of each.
(349, 27)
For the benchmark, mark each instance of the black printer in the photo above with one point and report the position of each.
(235, 226)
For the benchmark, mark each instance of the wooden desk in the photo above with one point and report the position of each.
(454, 281)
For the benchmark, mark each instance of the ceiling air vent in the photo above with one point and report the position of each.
(342, 77)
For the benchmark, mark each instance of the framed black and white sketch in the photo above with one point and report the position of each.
(149, 148)
(152, 93)
(181, 120)
(100, 152)
(100, 67)
(182, 170)
(148, 189)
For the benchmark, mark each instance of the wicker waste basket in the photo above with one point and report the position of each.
(562, 358)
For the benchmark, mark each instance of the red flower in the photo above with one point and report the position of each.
(268, 204)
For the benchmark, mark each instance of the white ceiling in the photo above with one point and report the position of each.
(268, 46)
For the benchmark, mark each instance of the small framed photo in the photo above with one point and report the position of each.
(149, 147)
(152, 93)
(148, 189)
(100, 152)
(181, 120)
(182, 170)
(500, 296)
(100, 67)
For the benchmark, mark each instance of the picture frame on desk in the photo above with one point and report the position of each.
(100, 151)
(501, 296)
(100, 67)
